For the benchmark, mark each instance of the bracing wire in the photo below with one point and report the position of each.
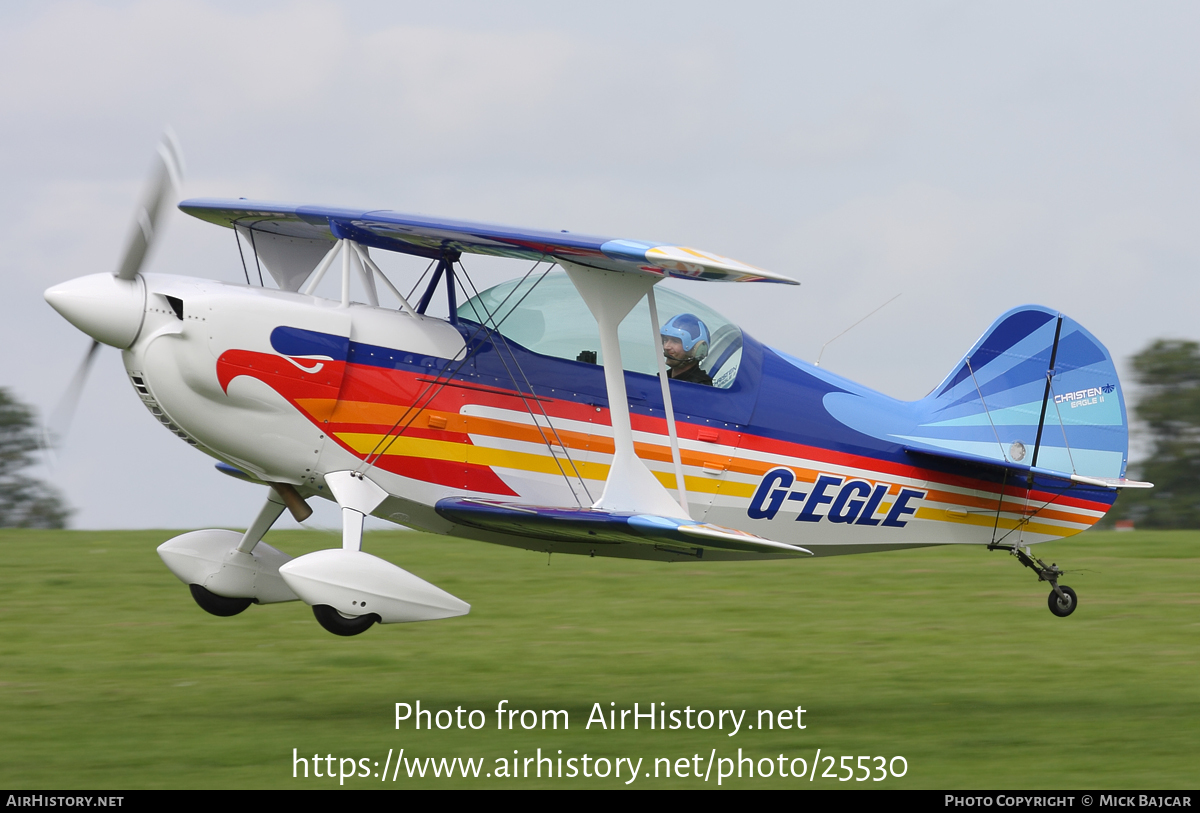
(495, 334)
(418, 282)
(1063, 426)
(421, 401)
(986, 411)
(999, 506)
(257, 262)
(426, 396)
(238, 238)
(1027, 515)
(856, 324)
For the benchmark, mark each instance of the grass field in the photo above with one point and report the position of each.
(110, 677)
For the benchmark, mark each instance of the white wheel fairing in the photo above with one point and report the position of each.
(211, 559)
(356, 583)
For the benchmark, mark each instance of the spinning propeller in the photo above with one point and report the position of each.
(109, 308)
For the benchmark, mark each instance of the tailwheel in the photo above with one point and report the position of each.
(1063, 600)
(218, 605)
(339, 624)
(1064, 604)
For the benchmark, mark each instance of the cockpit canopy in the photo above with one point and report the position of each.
(551, 318)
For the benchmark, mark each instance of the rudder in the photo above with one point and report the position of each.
(1001, 404)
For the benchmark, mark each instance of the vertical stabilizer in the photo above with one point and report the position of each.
(1036, 387)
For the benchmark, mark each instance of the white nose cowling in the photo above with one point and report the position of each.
(108, 309)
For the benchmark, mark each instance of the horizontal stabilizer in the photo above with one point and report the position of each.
(1024, 470)
(597, 525)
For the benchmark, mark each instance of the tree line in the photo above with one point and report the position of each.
(1167, 416)
(25, 502)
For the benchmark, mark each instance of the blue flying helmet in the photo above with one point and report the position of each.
(688, 328)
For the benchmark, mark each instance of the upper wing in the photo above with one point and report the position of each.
(438, 237)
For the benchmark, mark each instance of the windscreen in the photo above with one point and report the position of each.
(551, 318)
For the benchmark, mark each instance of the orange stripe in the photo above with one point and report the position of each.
(362, 412)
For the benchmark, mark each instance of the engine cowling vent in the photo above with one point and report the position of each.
(143, 391)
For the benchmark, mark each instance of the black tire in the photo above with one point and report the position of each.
(1063, 608)
(339, 624)
(218, 605)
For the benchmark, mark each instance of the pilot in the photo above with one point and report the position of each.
(685, 344)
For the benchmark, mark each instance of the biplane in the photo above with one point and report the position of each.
(545, 414)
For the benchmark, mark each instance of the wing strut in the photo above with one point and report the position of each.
(356, 257)
(668, 408)
(319, 274)
(610, 296)
(366, 259)
(491, 327)
(445, 267)
(1037, 443)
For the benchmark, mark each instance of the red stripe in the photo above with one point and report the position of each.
(401, 388)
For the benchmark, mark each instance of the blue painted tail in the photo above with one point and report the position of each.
(992, 404)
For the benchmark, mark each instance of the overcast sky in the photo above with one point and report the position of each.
(972, 156)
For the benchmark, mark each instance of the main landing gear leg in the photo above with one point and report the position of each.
(270, 512)
(357, 497)
(1062, 599)
(350, 590)
(225, 606)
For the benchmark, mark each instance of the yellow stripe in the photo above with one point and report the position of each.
(365, 443)
(429, 449)
(1008, 524)
(404, 446)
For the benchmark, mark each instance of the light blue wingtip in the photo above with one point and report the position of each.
(237, 473)
(651, 522)
(629, 250)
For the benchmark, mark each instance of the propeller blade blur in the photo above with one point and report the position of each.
(163, 186)
(64, 412)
